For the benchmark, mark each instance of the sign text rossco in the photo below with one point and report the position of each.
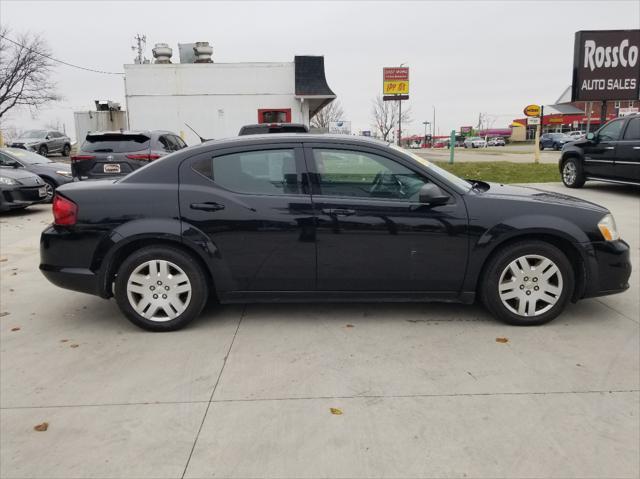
(606, 65)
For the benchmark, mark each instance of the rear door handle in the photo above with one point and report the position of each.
(338, 211)
(208, 206)
(609, 147)
(636, 147)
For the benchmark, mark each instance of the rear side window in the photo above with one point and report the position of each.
(267, 172)
(116, 143)
(633, 130)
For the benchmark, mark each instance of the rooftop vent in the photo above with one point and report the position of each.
(203, 52)
(162, 53)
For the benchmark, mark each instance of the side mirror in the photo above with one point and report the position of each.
(15, 164)
(431, 195)
(591, 136)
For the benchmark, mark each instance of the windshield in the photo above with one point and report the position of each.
(458, 182)
(27, 157)
(34, 134)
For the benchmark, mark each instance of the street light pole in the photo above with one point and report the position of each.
(425, 123)
(433, 126)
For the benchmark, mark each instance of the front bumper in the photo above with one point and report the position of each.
(19, 196)
(609, 268)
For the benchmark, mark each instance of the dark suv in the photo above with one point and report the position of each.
(118, 153)
(610, 154)
(554, 140)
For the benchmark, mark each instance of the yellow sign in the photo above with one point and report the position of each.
(396, 87)
(532, 110)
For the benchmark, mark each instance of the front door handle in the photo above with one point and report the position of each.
(636, 147)
(208, 206)
(338, 211)
(609, 147)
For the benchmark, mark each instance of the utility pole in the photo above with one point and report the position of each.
(433, 127)
(141, 43)
(399, 122)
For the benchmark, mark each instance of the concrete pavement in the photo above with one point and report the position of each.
(246, 391)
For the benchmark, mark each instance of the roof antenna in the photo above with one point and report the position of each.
(202, 140)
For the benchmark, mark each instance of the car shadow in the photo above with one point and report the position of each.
(630, 190)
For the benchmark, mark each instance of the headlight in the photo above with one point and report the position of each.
(7, 181)
(607, 227)
(64, 173)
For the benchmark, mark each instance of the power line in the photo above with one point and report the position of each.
(60, 61)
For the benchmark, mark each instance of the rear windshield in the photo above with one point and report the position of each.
(115, 143)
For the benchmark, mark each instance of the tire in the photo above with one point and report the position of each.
(51, 189)
(572, 173)
(43, 150)
(66, 150)
(133, 293)
(521, 304)
(541, 147)
(556, 147)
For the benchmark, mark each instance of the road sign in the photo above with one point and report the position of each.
(395, 97)
(395, 81)
(340, 127)
(532, 110)
(533, 120)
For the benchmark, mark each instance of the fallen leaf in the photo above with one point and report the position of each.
(64, 340)
(502, 340)
(4, 313)
(335, 411)
(3, 259)
(349, 326)
(74, 345)
(15, 329)
(41, 427)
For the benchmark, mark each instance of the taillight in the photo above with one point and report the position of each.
(151, 156)
(65, 211)
(82, 157)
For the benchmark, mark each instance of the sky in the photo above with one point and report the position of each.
(465, 57)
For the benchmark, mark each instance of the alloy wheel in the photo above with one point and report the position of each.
(159, 290)
(530, 285)
(569, 173)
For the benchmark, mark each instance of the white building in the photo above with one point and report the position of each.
(216, 99)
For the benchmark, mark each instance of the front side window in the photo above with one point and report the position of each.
(611, 131)
(266, 172)
(365, 175)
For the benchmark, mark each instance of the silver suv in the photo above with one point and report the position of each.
(44, 142)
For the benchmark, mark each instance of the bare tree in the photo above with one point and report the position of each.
(25, 72)
(386, 115)
(331, 112)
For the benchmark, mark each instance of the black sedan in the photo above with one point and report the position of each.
(19, 188)
(554, 140)
(299, 217)
(53, 173)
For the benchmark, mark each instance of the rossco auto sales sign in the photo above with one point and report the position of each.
(606, 65)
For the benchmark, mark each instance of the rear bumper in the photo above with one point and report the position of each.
(610, 267)
(76, 279)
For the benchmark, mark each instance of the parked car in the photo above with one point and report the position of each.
(19, 188)
(554, 140)
(118, 153)
(262, 128)
(44, 142)
(610, 154)
(496, 142)
(53, 173)
(305, 217)
(475, 142)
(576, 135)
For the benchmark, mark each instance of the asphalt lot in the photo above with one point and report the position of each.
(425, 390)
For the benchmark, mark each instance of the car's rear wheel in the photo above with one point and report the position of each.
(572, 173)
(160, 288)
(43, 150)
(527, 283)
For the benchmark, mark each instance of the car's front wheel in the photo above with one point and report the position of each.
(50, 187)
(572, 174)
(66, 150)
(161, 288)
(528, 283)
(43, 150)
